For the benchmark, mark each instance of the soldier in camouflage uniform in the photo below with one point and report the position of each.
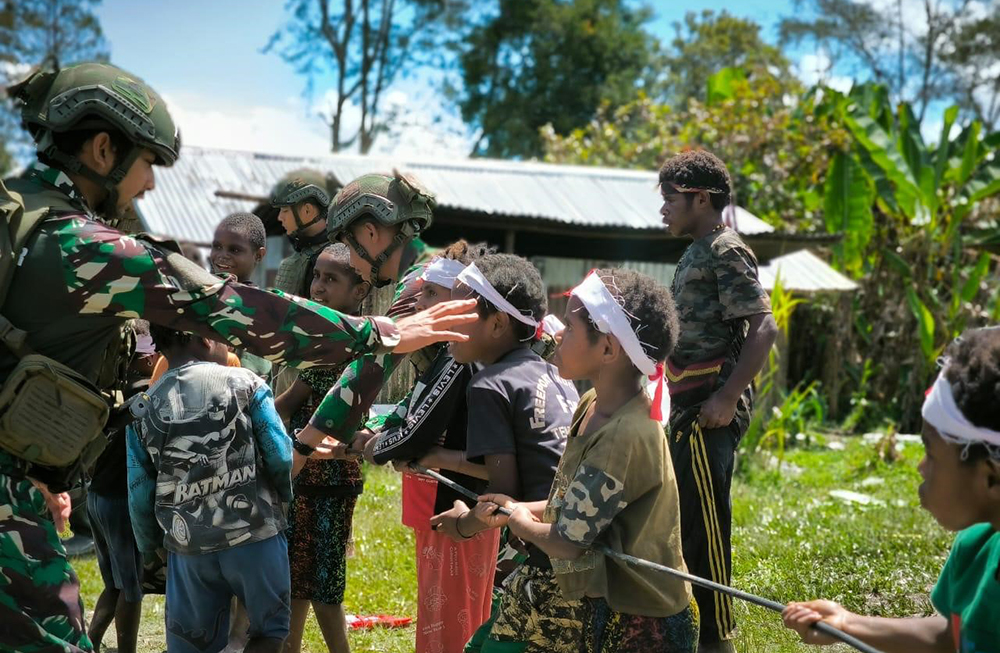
(726, 332)
(99, 131)
(380, 217)
(301, 199)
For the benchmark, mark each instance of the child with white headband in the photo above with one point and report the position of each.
(615, 483)
(454, 579)
(961, 489)
(519, 416)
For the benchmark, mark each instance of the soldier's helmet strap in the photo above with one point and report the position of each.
(302, 226)
(123, 161)
(406, 233)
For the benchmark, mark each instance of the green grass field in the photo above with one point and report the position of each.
(792, 540)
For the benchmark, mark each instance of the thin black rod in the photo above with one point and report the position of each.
(824, 628)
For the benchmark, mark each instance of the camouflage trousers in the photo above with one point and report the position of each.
(40, 605)
(533, 616)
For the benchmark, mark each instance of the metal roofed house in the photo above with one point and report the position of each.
(566, 219)
(533, 209)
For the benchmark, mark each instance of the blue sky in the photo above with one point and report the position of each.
(205, 58)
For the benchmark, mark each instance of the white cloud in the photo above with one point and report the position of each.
(280, 129)
(817, 68)
(11, 71)
(419, 125)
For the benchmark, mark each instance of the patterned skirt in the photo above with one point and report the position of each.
(318, 534)
(607, 631)
(533, 616)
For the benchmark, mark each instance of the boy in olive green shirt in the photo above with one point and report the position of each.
(615, 483)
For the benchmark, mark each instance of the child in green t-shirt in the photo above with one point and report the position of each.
(615, 483)
(961, 489)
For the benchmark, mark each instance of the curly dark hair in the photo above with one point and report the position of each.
(519, 282)
(650, 309)
(340, 252)
(974, 373)
(699, 169)
(341, 255)
(247, 224)
(465, 252)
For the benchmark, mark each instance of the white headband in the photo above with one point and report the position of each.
(552, 325)
(609, 317)
(443, 272)
(473, 278)
(941, 412)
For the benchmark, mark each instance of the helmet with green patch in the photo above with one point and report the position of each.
(96, 96)
(396, 199)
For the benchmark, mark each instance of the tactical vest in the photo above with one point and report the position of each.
(98, 347)
(93, 345)
(294, 276)
(294, 272)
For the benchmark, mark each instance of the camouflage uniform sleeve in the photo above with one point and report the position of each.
(592, 500)
(109, 273)
(142, 494)
(740, 292)
(343, 409)
(394, 418)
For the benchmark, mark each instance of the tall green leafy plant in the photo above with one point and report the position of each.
(903, 207)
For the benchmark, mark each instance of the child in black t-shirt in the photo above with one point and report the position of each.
(519, 417)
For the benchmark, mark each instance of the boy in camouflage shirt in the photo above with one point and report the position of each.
(210, 480)
(726, 331)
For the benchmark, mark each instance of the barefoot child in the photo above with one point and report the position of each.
(118, 557)
(519, 416)
(209, 480)
(615, 483)
(961, 489)
(325, 490)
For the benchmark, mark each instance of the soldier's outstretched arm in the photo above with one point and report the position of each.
(345, 407)
(109, 273)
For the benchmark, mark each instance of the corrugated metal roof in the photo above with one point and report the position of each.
(185, 205)
(801, 272)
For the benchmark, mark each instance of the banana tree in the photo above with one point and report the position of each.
(902, 204)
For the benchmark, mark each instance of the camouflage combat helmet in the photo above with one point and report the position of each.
(96, 96)
(396, 199)
(300, 186)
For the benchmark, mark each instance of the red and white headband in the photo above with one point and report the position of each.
(473, 278)
(609, 317)
(941, 412)
(443, 272)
